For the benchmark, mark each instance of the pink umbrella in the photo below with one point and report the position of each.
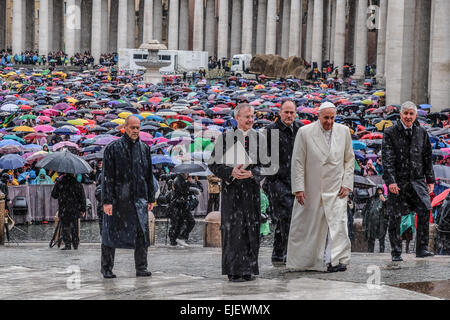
(50, 112)
(145, 137)
(67, 144)
(43, 128)
(90, 136)
(160, 140)
(105, 140)
(61, 106)
(36, 156)
(68, 109)
(44, 119)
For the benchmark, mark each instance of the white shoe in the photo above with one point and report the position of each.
(181, 242)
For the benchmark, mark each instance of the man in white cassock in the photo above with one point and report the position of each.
(322, 177)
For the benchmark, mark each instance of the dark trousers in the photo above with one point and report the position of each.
(281, 237)
(371, 244)
(181, 224)
(410, 198)
(213, 202)
(70, 231)
(140, 254)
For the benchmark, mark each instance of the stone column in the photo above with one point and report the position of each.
(86, 25)
(285, 28)
(99, 43)
(326, 30)
(261, 27)
(58, 25)
(399, 50)
(222, 41)
(271, 27)
(113, 24)
(29, 25)
(421, 52)
(309, 32)
(210, 30)
(126, 24)
(381, 41)
(174, 7)
(183, 29)
(3, 24)
(333, 28)
(131, 24)
(247, 26)
(73, 27)
(339, 36)
(148, 21)
(236, 28)
(439, 84)
(350, 38)
(45, 27)
(198, 25)
(295, 30)
(317, 34)
(361, 40)
(18, 26)
(157, 20)
(140, 22)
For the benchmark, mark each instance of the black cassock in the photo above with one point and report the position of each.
(240, 211)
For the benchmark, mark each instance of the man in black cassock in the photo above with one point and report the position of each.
(241, 208)
(128, 195)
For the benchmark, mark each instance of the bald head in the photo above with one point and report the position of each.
(288, 112)
(132, 127)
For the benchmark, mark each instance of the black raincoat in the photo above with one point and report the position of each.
(408, 163)
(375, 218)
(71, 197)
(128, 185)
(240, 214)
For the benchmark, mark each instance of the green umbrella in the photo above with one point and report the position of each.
(201, 144)
(13, 137)
(28, 116)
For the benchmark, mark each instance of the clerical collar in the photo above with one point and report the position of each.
(245, 133)
(284, 124)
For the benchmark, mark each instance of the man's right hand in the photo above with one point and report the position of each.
(300, 196)
(108, 209)
(393, 188)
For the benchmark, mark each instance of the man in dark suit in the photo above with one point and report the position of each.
(408, 171)
(279, 185)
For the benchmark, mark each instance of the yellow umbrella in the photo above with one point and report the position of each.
(118, 121)
(379, 94)
(23, 129)
(146, 114)
(78, 122)
(163, 125)
(11, 74)
(71, 100)
(259, 86)
(383, 124)
(124, 115)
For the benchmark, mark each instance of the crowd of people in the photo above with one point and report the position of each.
(92, 114)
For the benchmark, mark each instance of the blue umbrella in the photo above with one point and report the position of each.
(32, 147)
(359, 155)
(162, 159)
(425, 106)
(155, 118)
(11, 162)
(9, 142)
(358, 145)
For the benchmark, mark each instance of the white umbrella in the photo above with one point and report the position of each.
(9, 107)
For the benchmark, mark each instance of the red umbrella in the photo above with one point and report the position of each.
(309, 110)
(372, 136)
(439, 198)
(305, 121)
(25, 108)
(219, 121)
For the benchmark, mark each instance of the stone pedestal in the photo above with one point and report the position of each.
(213, 235)
(153, 64)
(359, 243)
(151, 227)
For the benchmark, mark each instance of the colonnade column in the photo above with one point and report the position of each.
(210, 30)
(261, 27)
(45, 26)
(361, 40)
(198, 25)
(236, 28)
(148, 21)
(339, 36)
(99, 43)
(172, 41)
(309, 32)
(247, 26)
(271, 27)
(183, 33)
(73, 27)
(157, 20)
(285, 29)
(222, 41)
(381, 41)
(317, 34)
(295, 35)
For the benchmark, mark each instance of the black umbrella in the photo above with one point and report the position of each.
(188, 168)
(94, 156)
(64, 162)
(361, 182)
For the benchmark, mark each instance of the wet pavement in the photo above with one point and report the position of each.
(34, 271)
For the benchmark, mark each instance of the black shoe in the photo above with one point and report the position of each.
(109, 275)
(237, 279)
(424, 253)
(330, 268)
(249, 277)
(75, 247)
(397, 258)
(67, 248)
(173, 243)
(341, 267)
(143, 273)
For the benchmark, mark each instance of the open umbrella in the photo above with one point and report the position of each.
(65, 144)
(361, 182)
(439, 198)
(358, 145)
(11, 162)
(162, 159)
(64, 162)
(188, 168)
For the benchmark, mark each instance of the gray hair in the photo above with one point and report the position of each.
(408, 105)
(241, 106)
(129, 117)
